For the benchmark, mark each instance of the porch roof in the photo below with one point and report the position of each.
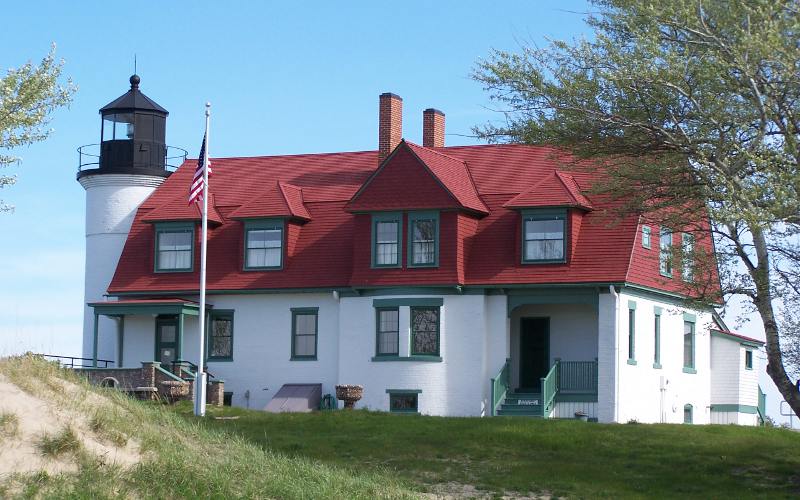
(146, 306)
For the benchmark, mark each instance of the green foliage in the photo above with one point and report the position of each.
(566, 458)
(66, 441)
(9, 424)
(28, 96)
(689, 109)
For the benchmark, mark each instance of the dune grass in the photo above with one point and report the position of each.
(61, 443)
(9, 424)
(507, 454)
(180, 458)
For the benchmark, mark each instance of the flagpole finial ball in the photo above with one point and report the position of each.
(135, 81)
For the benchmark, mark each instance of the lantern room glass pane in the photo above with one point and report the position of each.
(108, 128)
(123, 126)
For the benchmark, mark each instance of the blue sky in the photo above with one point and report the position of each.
(282, 79)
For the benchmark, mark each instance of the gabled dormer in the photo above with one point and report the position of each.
(175, 233)
(551, 212)
(271, 223)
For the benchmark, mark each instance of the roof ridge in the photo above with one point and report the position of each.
(437, 152)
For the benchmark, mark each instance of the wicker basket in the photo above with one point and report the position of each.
(349, 394)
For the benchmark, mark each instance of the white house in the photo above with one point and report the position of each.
(464, 281)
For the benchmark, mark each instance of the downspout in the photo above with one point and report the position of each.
(615, 326)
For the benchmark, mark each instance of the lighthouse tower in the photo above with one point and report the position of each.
(131, 164)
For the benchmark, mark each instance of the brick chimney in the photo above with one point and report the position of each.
(432, 128)
(390, 123)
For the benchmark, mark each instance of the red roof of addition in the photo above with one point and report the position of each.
(279, 200)
(556, 190)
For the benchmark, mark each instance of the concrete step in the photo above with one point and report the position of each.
(514, 413)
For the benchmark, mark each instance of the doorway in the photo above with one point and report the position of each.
(534, 353)
(166, 341)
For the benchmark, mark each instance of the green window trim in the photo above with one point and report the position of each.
(424, 358)
(689, 364)
(411, 301)
(414, 333)
(688, 414)
(691, 318)
(647, 237)
(305, 311)
(748, 359)
(413, 217)
(631, 332)
(264, 224)
(411, 394)
(657, 338)
(665, 243)
(539, 215)
(377, 218)
(214, 315)
(173, 227)
(379, 331)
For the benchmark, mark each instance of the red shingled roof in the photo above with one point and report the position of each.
(471, 186)
(178, 209)
(556, 190)
(278, 200)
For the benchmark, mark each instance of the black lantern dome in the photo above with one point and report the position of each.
(133, 137)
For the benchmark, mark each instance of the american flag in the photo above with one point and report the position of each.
(196, 189)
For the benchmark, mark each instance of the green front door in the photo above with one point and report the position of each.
(534, 352)
(166, 340)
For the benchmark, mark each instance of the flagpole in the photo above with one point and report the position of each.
(200, 380)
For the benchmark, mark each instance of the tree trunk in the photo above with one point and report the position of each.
(763, 303)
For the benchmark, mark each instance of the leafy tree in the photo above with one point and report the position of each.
(28, 96)
(679, 101)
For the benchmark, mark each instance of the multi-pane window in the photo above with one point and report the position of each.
(688, 344)
(387, 242)
(174, 248)
(646, 236)
(665, 256)
(748, 360)
(263, 245)
(403, 402)
(304, 333)
(423, 235)
(220, 336)
(543, 238)
(687, 240)
(657, 340)
(388, 331)
(425, 331)
(631, 334)
(688, 414)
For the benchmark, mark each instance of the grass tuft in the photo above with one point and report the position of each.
(105, 426)
(9, 424)
(65, 442)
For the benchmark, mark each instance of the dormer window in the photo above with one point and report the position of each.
(263, 244)
(174, 247)
(386, 240)
(543, 236)
(423, 239)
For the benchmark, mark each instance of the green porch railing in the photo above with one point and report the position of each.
(550, 389)
(577, 377)
(500, 386)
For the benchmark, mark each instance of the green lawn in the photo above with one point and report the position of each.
(568, 458)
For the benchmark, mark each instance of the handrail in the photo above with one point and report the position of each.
(169, 374)
(73, 359)
(500, 385)
(89, 157)
(549, 389)
(577, 377)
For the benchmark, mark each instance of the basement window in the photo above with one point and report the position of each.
(174, 247)
(403, 400)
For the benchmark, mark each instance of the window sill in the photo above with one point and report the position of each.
(162, 271)
(665, 275)
(657, 366)
(528, 262)
(267, 268)
(416, 357)
(303, 358)
(219, 360)
(686, 369)
(632, 362)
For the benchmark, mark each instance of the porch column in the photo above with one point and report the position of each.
(179, 338)
(120, 340)
(94, 341)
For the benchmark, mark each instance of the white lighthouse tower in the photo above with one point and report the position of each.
(132, 164)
